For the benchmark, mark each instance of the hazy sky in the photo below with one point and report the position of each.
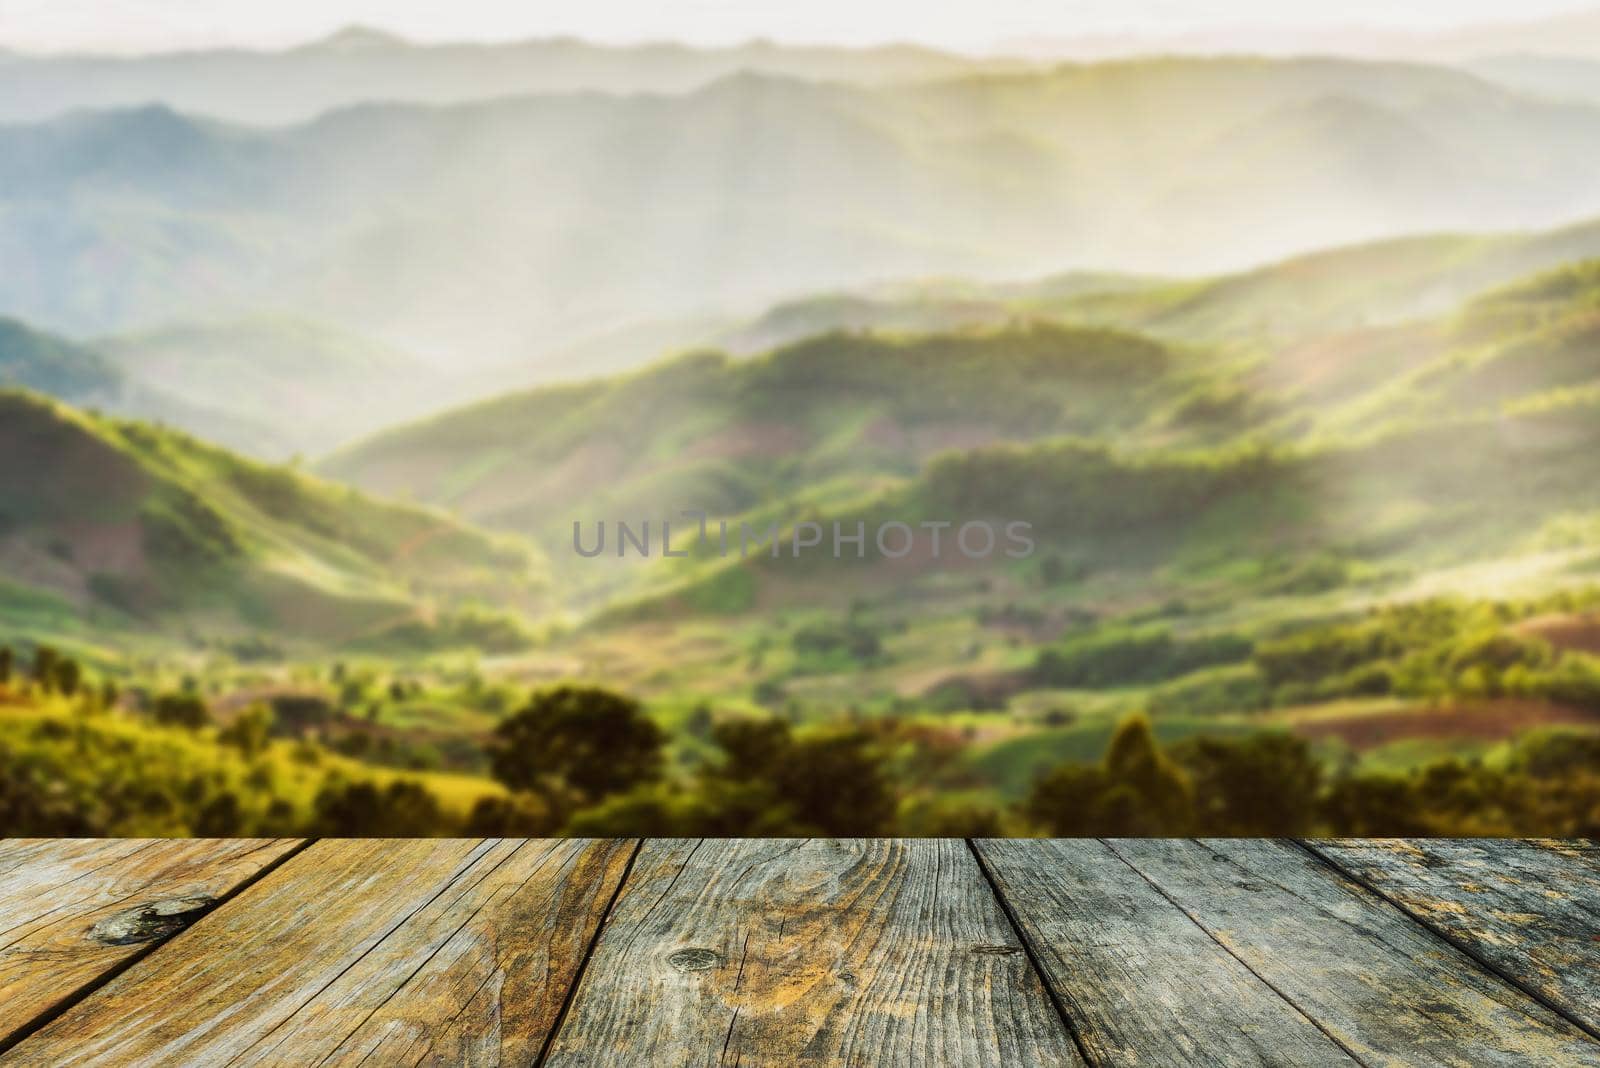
(973, 25)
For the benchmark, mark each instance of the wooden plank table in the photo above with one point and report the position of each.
(784, 952)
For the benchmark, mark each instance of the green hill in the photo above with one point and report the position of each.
(1349, 288)
(139, 528)
(1362, 286)
(826, 418)
(1417, 446)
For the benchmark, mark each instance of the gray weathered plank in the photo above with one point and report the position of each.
(856, 952)
(72, 911)
(1377, 982)
(1141, 981)
(1531, 909)
(392, 952)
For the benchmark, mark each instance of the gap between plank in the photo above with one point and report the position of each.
(1460, 945)
(1263, 980)
(49, 1016)
(1033, 958)
(588, 954)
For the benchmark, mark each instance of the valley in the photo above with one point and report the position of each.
(1291, 366)
(1240, 537)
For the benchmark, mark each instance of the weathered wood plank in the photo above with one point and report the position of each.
(1531, 909)
(855, 952)
(73, 911)
(1141, 981)
(393, 952)
(1378, 983)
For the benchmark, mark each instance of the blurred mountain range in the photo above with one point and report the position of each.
(489, 238)
(360, 64)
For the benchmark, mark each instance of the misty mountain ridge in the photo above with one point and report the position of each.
(360, 63)
(492, 234)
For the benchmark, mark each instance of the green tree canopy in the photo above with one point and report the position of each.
(364, 810)
(1136, 790)
(181, 710)
(595, 742)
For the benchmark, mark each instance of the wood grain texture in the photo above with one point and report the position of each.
(855, 952)
(1142, 982)
(72, 911)
(1531, 909)
(392, 952)
(1377, 982)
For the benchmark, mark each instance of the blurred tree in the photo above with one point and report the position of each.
(594, 741)
(941, 817)
(1263, 785)
(831, 782)
(1549, 754)
(68, 677)
(1135, 761)
(298, 713)
(181, 710)
(654, 810)
(1364, 806)
(519, 816)
(1066, 801)
(1136, 790)
(699, 722)
(249, 732)
(403, 809)
(220, 817)
(7, 664)
(45, 660)
(849, 638)
(31, 804)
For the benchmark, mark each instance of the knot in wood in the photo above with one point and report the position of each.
(150, 921)
(694, 959)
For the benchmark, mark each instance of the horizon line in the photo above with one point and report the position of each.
(1094, 43)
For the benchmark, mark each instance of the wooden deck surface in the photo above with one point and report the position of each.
(818, 952)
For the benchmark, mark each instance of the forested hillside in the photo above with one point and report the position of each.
(111, 526)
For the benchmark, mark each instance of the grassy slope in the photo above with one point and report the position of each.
(1312, 296)
(1471, 471)
(703, 431)
(141, 523)
(105, 763)
(1342, 289)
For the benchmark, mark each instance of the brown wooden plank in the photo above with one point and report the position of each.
(854, 952)
(392, 952)
(1530, 909)
(73, 911)
(1141, 981)
(1376, 981)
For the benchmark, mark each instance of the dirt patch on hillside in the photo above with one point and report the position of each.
(979, 690)
(1574, 633)
(886, 433)
(63, 559)
(117, 548)
(1488, 721)
(759, 440)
